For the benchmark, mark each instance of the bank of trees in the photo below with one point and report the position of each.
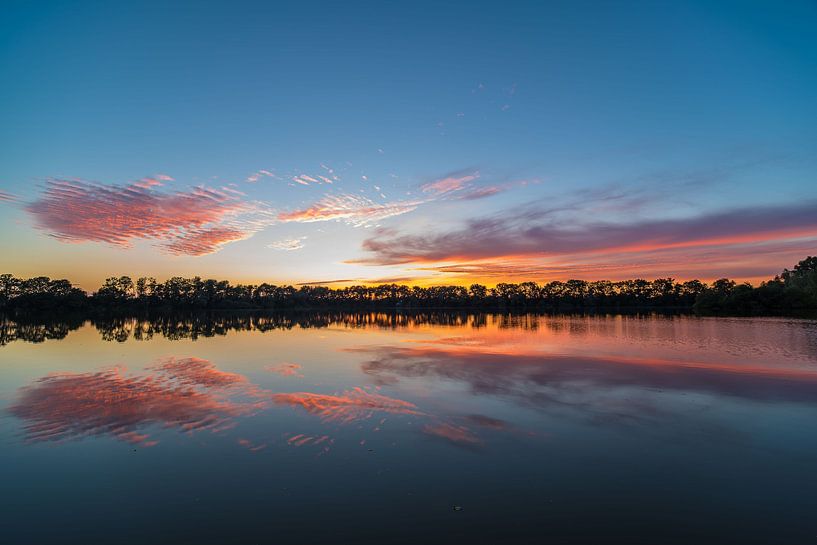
(39, 293)
(196, 293)
(792, 291)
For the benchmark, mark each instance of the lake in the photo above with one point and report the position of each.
(401, 428)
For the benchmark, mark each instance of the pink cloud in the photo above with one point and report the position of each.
(306, 179)
(452, 182)
(197, 242)
(147, 183)
(193, 222)
(255, 176)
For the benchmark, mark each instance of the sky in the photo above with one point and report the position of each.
(413, 142)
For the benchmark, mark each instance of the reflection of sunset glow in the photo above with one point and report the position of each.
(188, 394)
(349, 406)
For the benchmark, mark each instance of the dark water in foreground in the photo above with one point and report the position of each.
(383, 429)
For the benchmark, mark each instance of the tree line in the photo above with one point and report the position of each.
(790, 292)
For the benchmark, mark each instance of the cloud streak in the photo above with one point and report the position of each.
(287, 245)
(352, 209)
(455, 181)
(255, 176)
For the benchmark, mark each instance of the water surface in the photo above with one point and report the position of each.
(434, 428)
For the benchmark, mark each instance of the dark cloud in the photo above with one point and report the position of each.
(534, 233)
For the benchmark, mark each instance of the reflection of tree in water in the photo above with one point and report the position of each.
(193, 326)
(36, 331)
(38, 327)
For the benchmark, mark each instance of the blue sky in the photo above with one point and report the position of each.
(622, 114)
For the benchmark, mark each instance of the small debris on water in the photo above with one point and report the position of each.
(458, 508)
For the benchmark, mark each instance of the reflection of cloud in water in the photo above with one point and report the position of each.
(598, 387)
(456, 435)
(285, 369)
(191, 394)
(197, 372)
(487, 421)
(349, 406)
(251, 446)
(301, 440)
(188, 394)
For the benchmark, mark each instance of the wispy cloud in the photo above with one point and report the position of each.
(288, 244)
(306, 179)
(382, 280)
(352, 209)
(482, 192)
(193, 222)
(255, 176)
(7, 197)
(455, 181)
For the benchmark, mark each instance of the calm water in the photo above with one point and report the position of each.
(395, 429)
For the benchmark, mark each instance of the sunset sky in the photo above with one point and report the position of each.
(420, 142)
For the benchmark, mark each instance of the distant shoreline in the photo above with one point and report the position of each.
(793, 292)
